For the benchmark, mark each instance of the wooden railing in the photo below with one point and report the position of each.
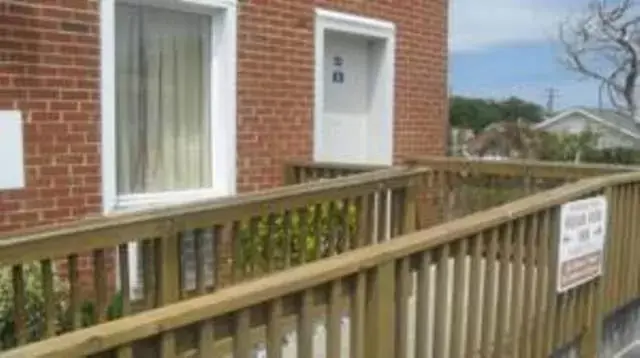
(191, 250)
(484, 285)
(462, 186)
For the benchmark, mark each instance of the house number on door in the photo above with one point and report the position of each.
(338, 75)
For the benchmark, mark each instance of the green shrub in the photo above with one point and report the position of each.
(35, 307)
(299, 236)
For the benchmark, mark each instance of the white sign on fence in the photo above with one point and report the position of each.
(583, 229)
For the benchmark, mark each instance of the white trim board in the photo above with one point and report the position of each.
(223, 104)
(384, 106)
(546, 123)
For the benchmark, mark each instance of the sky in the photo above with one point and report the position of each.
(500, 48)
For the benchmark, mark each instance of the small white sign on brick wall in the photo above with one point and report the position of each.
(11, 150)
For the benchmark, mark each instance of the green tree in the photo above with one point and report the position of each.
(477, 113)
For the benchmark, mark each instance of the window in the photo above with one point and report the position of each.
(163, 140)
(168, 101)
(168, 109)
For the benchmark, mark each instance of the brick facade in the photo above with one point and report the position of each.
(49, 69)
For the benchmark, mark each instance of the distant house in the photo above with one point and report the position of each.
(502, 140)
(458, 139)
(615, 129)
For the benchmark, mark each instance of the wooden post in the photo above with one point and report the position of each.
(381, 312)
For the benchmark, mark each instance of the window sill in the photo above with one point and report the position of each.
(136, 202)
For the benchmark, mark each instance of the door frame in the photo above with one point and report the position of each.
(384, 105)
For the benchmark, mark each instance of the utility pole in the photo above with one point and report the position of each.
(551, 97)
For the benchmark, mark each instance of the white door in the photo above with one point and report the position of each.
(353, 115)
(346, 106)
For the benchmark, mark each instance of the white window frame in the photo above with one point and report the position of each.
(384, 104)
(223, 76)
(222, 115)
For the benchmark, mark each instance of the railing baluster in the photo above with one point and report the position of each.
(542, 285)
(403, 291)
(504, 312)
(474, 324)
(240, 255)
(423, 340)
(125, 351)
(303, 175)
(529, 304)
(125, 282)
(381, 324)
(303, 230)
(319, 234)
(560, 318)
(550, 330)
(442, 303)
(198, 244)
(206, 339)
(382, 220)
(223, 264)
(618, 247)
(459, 293)
(359, 236)
(635, 238)
(149, 277)
(357, 316)
(257, 246)
(305, 331)
(582, 316)
(242, 346)
(517, 280)
(570, 314)
(167, 262)
(490, 301)
(333, 321)
(74, 291)
(371, 221)
(274, 333)
(332, 222)
(630, 254)
(287, 239)
(19, 305)
(49, 295)
(270, 244)
(345, 225)
(100, 283)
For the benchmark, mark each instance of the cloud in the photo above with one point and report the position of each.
(477, 25)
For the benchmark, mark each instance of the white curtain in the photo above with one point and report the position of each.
(162, 84)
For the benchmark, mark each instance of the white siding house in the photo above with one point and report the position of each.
(614, 129)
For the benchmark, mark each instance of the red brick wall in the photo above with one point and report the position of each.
(49, 69)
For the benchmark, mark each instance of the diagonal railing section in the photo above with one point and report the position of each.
(68, 277)
(462, 186)
(483, 285)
